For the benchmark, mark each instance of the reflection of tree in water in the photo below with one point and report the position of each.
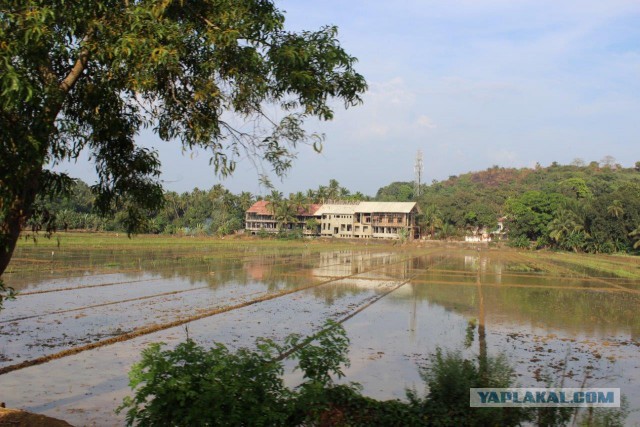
(577, 310)
(482, 334)
(335, 291)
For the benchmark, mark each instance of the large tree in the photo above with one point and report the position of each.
(89, 75)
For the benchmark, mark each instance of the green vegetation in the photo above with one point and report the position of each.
(594, 208)
(6, 293)
(575, 208)
(190, 385)
(216, 212)
(92, 75)
(193, 386)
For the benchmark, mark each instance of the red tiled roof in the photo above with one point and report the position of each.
(311, 209)
(262, 208)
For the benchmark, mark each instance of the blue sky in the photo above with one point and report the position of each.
(471, 83)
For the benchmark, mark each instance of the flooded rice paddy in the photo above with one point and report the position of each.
(88, 307)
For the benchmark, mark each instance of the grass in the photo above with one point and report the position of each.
(622, 266)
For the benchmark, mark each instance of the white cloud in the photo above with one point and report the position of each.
(425, 122)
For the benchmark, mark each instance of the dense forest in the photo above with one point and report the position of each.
(591, 207)
(579, 207)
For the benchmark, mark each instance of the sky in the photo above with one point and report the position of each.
(470, 83)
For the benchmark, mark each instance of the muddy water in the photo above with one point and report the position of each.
(554, 318)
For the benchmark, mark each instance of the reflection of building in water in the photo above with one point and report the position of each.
(485, 265)
(257, 271)
(364, 269)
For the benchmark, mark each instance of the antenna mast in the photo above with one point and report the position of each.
(418, 168)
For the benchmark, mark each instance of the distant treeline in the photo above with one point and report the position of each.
(591, 207)
(213, 212)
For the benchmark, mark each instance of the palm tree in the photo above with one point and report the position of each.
(245, 200)
(446, 230)
(312, 196)
(636, 236)
(333, 191)
(321, 194)
(285, 213)
(432, 219)
(282, 209)
(344, 193)
(564, 225)
(300, 201)
(359, 196)
(274, 197)
(615, 209)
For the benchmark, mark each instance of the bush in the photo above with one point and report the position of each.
(6, 293)
(192, 386)
(520, 242)
(263, 234)
(290, 234)
(449, 377)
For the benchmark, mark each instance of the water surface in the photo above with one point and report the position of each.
(555, 318)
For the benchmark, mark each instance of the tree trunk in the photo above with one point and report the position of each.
(18, 213)
(20, 202)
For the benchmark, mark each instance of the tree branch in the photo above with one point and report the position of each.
(74, 75)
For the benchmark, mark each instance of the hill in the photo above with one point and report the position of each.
(593, 207)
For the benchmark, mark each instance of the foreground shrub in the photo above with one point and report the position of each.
(448, 378)
(193, 386)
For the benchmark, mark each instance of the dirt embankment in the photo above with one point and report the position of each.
(18, 418)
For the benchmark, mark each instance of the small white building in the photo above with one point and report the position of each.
(483, 235)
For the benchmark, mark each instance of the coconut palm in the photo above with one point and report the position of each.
(615, 209)
(333, 190)
(312, 196)
(273, 198)
(322, 194)
(282, 209)
(432, 219)
(344, 193)
(565, 224)
(285, 213)
(447, 230)
(359, 196)
(245, 200)
(636, 236)
(299, 201)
